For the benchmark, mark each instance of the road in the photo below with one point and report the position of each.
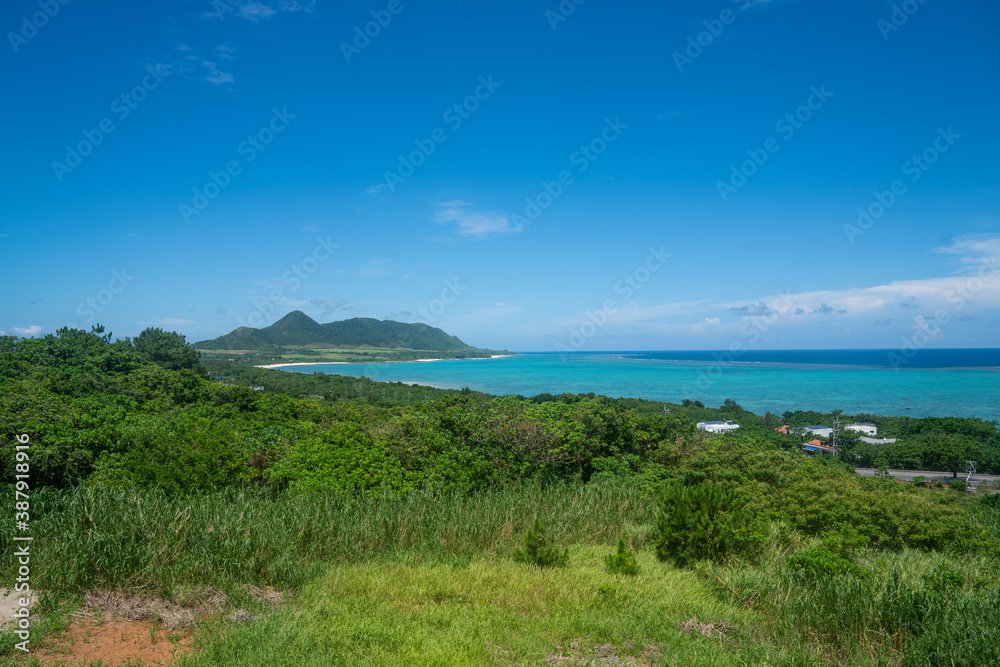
(977, 479)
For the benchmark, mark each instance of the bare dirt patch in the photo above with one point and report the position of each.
(120, 628)
(115, 642)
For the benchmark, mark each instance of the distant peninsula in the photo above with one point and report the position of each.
(297, 338)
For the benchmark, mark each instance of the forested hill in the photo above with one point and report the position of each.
(297, 328)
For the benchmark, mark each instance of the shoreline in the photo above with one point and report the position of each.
(366, 363)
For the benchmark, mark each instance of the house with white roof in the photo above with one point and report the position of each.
(717, 426)
(867, 429)
(821, 431)
(878, 441)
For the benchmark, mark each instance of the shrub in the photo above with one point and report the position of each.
(821, 562)
(623, 562)
(845, 541)
(703, 521)
(959, 485)
(992, 500)
(343, 458)
(943, 579)
(537, 551)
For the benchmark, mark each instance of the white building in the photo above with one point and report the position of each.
(867, 429)
(874, 441)
(821, 431)
(718, 427)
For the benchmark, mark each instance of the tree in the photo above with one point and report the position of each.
(950, 451)
(770, 420)
(166, 348)
(703, 521)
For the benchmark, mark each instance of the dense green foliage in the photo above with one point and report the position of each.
(150, 470)
(111, 414)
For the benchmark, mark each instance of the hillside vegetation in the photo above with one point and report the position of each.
(375, 501)
(297, 337)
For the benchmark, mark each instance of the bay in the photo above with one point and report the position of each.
(961, 383)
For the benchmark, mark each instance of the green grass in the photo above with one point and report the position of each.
(89, 538)
(892, 615)
(492, 611)
(431, 580)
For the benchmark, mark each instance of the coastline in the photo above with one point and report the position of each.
(367, 363)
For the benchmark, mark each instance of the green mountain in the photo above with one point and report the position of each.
(299, 330)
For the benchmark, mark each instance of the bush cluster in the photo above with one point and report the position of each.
(704, 521)
(624, 561)
(537, 550)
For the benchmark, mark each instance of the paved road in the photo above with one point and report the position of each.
(976, 480)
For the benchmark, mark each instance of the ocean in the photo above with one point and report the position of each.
(924, 383)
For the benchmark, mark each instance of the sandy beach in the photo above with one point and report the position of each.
(302, 363)
(365, 363)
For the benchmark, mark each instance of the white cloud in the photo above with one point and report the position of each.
(880, 300)
(215, 75)
(23, 332)
(973, 250)
(920, 323)
(475, 224)
(949, 307)
(255, 11)
(225, 52)
(312, 229)
(292, 6)
(956, 298)
(375, 189)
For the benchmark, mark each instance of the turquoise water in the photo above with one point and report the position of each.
(757, 386)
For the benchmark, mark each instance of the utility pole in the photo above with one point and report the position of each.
(836, 432)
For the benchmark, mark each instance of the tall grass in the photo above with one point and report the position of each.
(88, 538)
(892, 615)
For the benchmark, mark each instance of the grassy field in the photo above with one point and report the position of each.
(491, 611)
(430, 580)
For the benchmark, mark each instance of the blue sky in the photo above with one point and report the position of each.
(629, 175)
